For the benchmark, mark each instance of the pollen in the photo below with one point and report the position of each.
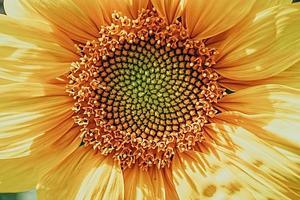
(143, 90)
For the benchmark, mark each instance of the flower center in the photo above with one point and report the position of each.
(143, 90)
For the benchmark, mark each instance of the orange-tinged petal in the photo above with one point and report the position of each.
(259, 165)
(44, 98)
(258, 6)
(100, 12)
(169, 9)
(289, 77)
(261, 5)
(66, 15)
(80, 20)
(263, 46)
(31, 50)
(268, 115)
(294, 157)
(141, 184)
(39, 134)
(187, 175)
(128, 8)
(93, 9)
(18, 9)
(263, 99)
(134, 6)
(170, 189)
(278, 129)
(275, 118)
(38, 34)
(28, 112)
(87, 175)
(22, 71)
(205, 19)
(217, 181)
(23, 173)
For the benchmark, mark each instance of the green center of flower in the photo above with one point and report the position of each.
(143, 90)
(149, 91)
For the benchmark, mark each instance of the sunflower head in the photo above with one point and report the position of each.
(154, 99)
(143, 90)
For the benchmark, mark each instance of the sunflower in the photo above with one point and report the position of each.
(160, 99)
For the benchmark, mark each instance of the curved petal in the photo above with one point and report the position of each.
(87, 175)
(205, 19)
(170, 189)
(169, 9)
(47, 150)
(36, 132)
(25, 117)
(100, 12)
(269, 116)
(261, 5)
(264, 99)
(141, 184)
(93, 10)
(258, 165)
(33, 98)
(279, 130)
(263, 46)
(32, 51)
(134, 6)
(29, 30)
(294, 157)
(215, 182)
(66, 15)
(270, 113)
(274, 119)
(81, 20)
(289, 77)
(216, 41)
(17, 8)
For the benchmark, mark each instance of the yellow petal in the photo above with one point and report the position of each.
(294, 157)
(205, 19)
(22, 174)
(289, 77)
(169, 9)
(261, 5)
(279, 129)
(271, 112)
(30, 50)
(216, 182)
(258, 6)
(28, 113)
(187, 176)
(36, 32)
(170, 189)
(263, 46)
(66, 15)
(259, 165)
(22, 71)
(100, 12)
(17, 8)
(93, 10)
(264, 99)
(262, 120)
(28, 137)
(134, 6)
(141, 184)
(84, 175)
(39, 97)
